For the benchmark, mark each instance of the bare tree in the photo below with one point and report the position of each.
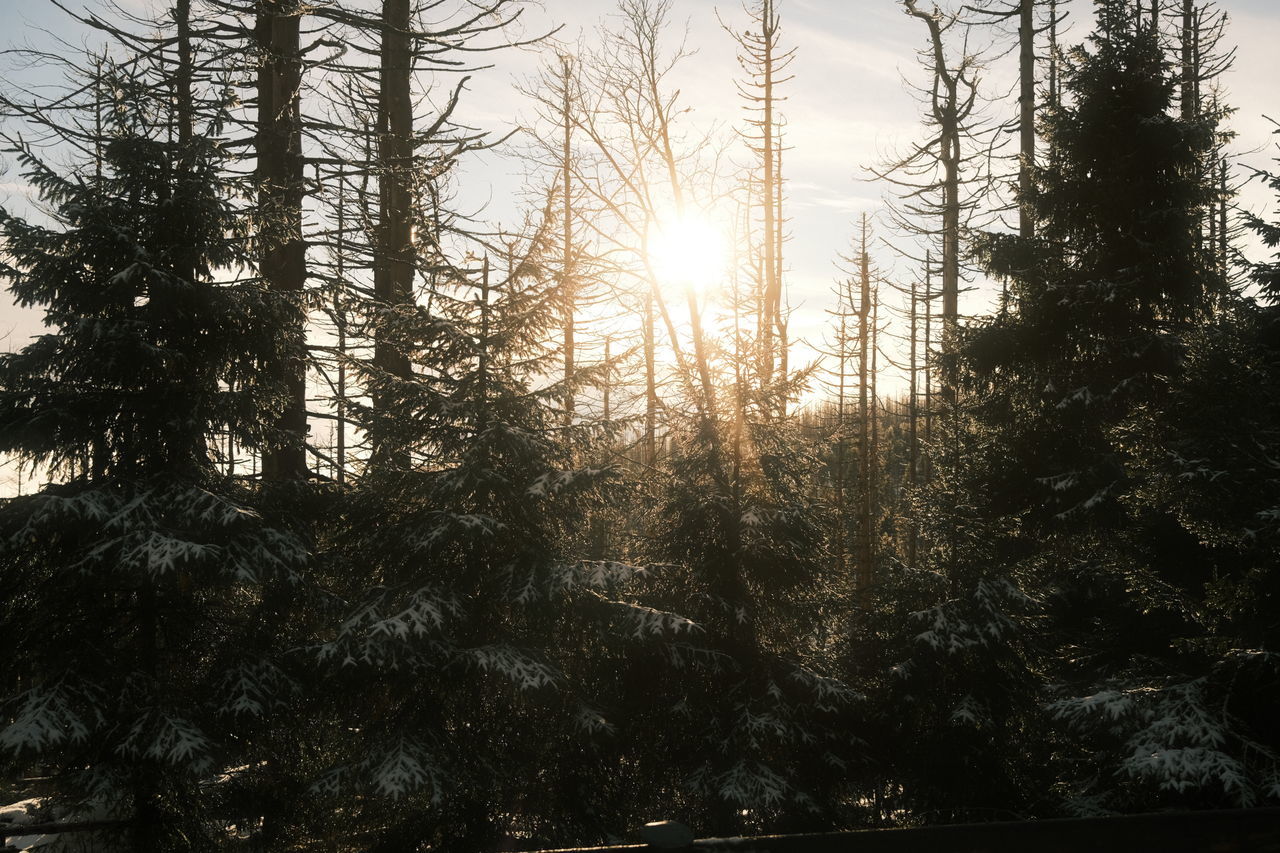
(944, 182)
(565, 173)
(569, 296)
(765, 63)
(952, 99)
(393, 270)
(944, 185)
(631, 169)
(1028, 28)
(1200, 30)
(385, 145)
(866, 403)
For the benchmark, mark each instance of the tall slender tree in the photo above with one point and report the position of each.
(395, 258)
(282, 262)
(765, 62)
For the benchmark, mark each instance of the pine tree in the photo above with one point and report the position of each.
(751, 704)
(1096, 304)
(139, 572)
(454, 639)
(1204, 738)
(1084, 387)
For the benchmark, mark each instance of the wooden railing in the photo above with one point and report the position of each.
(1239, 831)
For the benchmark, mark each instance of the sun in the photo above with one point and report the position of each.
(688, 250)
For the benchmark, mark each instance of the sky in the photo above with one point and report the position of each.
(847, 109)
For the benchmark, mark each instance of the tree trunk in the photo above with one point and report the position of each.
(283, 261)
(394, 263)
(1187, 86)
(1053, 53)
(840, 473)
(1027, 115)
(913, 435)
(185, 96)
(771, 295)
(927, 356)
(650, 383)
(340, 321)
(946, 113)
(608, 383)
(568, 289)
(863, 570)
(1224, 264)
(873, 460)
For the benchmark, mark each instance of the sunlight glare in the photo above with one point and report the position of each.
(689, 251)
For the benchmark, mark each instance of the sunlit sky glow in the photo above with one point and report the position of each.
(846, 109)
(689, 250)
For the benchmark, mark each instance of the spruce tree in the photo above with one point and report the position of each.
(466, 609)
(137, 572)
(745, 705)
(740, 553)
(1083, 386)
(1205, 457)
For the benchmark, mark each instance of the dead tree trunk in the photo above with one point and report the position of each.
(863, 569)
(873, 460)
(842, 354)
(283, 263)
(927, 357)
(1054, 98)
(948, 112)
(765, 61)
(650, 383)
(913, 434)
(568, 294)
(772, 285)
(1187, 83)
(340, 323)
(1027, 115)
(394, 262)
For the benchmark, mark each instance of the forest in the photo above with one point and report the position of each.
(349, 519)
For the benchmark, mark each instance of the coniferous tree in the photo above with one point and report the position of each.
(740, 553)
(466, 584)
(140, 572)
(1029, 494)
(1076, 387)
(1202, 738)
